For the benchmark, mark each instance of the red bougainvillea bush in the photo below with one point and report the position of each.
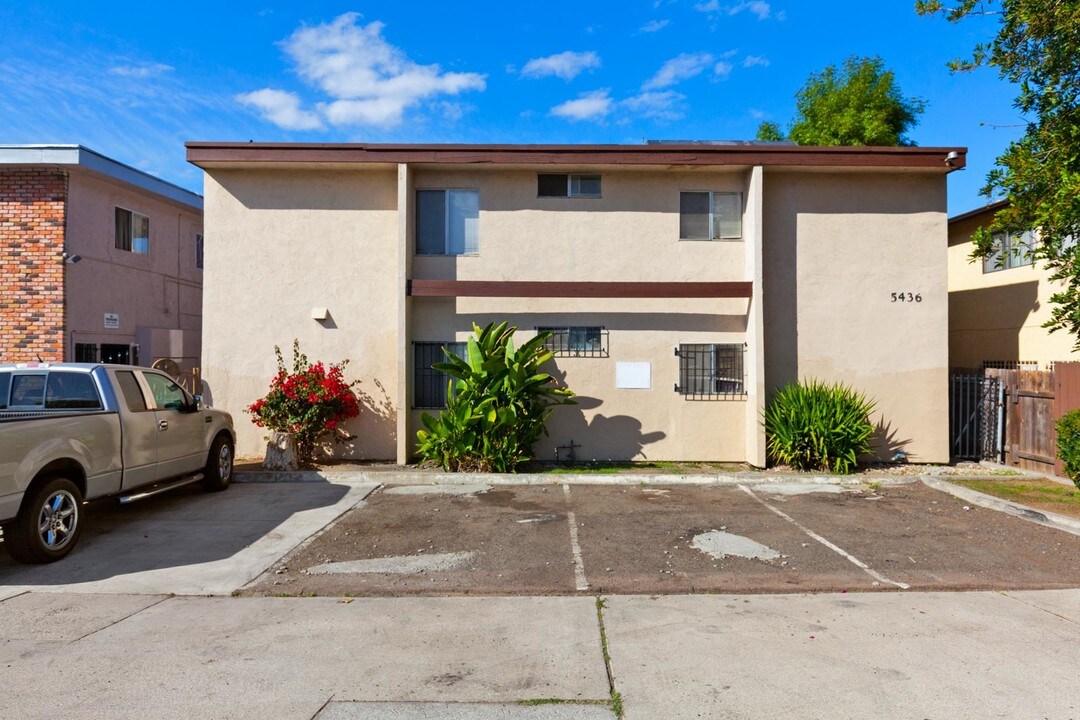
(310, 402)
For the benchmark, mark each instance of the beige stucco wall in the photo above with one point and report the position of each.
(836, 246)
(630, 234)
(998, 316)
(280, 244)
(610, 423)
(153, 293)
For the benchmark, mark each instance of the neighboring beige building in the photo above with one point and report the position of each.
(997, 306)
(99, 262)
(685, 282)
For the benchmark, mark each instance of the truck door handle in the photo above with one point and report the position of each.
(163, 425)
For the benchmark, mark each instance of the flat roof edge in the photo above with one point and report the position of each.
(79, 156)
(989, 207)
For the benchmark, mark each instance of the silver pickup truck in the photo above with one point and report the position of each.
(71, 432)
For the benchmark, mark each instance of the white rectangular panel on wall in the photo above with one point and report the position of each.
(633, 375)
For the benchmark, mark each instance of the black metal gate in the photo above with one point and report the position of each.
(974, 417)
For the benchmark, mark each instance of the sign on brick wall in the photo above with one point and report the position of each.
(112, 321)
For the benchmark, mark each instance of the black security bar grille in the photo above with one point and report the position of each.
(711, 372)
(429, 384)
(1010, 365)
(576, 341)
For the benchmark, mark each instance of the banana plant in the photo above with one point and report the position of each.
(498, 401)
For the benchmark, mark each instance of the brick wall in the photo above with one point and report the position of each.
(32, 218)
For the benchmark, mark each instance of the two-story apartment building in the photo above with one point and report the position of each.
(998, 304)
(99, 262)
(683, 282)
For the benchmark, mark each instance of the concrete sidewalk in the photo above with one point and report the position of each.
(896, 655)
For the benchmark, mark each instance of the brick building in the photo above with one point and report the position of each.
(99, 262)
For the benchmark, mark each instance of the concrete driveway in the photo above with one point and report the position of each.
(187, 542)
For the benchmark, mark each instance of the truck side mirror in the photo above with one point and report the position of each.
(199, 403)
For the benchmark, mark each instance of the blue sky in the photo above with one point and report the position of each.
(135, 80)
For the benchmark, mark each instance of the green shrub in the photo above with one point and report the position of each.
(815, 426)
(1068, 444)
(497, 402)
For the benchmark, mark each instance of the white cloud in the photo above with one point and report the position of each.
(654, 26)
(664, 105)
(281, 108)
(369, 81)
(755, 61)
(141, 71)
(758, 114)
(566, 65)
(677, 69)
(594, 105)
(756, 7)
(722, 70)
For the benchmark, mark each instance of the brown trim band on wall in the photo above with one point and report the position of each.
(538, 289)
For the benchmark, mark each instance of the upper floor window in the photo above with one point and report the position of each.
(710, 215)
(199, 251)
(1010, 250)
(567, 185)
(447, 222)
(132, 232)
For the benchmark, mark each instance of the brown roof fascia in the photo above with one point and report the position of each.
(204, 153)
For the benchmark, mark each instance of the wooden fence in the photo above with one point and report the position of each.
(1033, 401)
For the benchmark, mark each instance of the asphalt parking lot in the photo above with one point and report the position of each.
(564, 540)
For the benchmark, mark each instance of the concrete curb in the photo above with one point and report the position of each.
(1041, 517)
(409, 477)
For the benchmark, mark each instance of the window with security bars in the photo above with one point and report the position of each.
(576, 341)
(429, 384)
(711, 372)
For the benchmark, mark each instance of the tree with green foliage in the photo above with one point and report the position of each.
(859, 103)
(1037, 48)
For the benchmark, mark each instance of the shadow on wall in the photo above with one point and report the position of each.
(619, 437)
(985, 324)
(206, 392)
(375, 429)
(886, 444)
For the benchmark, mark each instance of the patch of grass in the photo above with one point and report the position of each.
(1046, 494)
(616, 703)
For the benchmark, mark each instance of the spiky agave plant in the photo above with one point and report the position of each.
(817, 426)
(497, 403)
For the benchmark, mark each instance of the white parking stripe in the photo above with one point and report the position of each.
(579, 565)
(838, 550)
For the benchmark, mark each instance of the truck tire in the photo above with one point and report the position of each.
(219, 465)
(48, 525)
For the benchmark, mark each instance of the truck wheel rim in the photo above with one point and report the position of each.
(225, 462)
(58, 518)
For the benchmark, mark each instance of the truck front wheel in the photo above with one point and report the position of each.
(48, 525)
(219, 464)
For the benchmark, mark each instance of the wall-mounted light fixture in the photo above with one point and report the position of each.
(320, 313)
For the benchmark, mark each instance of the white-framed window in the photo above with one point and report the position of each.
(447, 222)
(132, 231)
(708, 215)
(1010, 250)
(567, 185)
(199, 251)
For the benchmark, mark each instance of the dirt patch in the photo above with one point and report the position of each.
(927, 539)
(515, 540)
